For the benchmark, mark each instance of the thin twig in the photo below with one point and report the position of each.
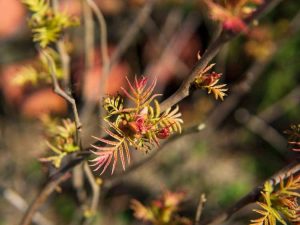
(191, 130)
(65, 61)
(78, 183)
(183, 91)
(254, 72)
(278, 108)
(95, 184)
(57, 89)
(41, 198)
(17, 201)
(180, 93)
(261, 128)
(132, 31)
(170, 55)
(259, 124)
(252, 196)
(103, 44)
(89, 37)
(123, 45)
(64, 56)
(103, 32)
(200, 206)
(208, 55)
(104, 54)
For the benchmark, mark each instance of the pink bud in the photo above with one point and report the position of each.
(163, 133)
(235, 25)
(141, 83)
(209, 79)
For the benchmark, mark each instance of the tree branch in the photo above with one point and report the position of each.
(57, 89)
(252, 196)
(132, 31)
(17, 201)
(209, 54)
(180, 94)
(41, 198)
(200, 206)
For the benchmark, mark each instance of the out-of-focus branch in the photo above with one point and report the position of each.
(252, 196)
(182, 92)
(170, 55)
(78, 183)
(278, 108)
(254, 72)
(209, 54)
(200, 206)
(191, 130)
(103, 32)
(261, 128)
(64, 56)
(132, 31)
(258, 124)
(104, 52)
(95, 184)
(65, 61)
(89, 36)
(123, 45)
(41, 198)
(17, 201)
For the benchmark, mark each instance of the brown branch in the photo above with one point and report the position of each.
(65, 61)
(209, 54)
(183, 91)
(180, 94)
(89, 36)
(191, 130)
(65, 58)
(95, 188)
(57, 89)
(133, 31)
(123, 45)
(258, 126)
(104, 52)
(41, 198)
(278, 108)
(199, 210)
(103, 32)
(254, 72)
(253, 196)
(18, 202)
(78, 183)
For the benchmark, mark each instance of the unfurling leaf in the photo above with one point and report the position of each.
(139, 126)
(279, 204)
(209, 82)
(294, 137)
(47, 24)
(162, 211)
(60, 139)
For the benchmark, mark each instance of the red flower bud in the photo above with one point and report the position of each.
(163, 133)
(209, 79)
(235, 25)
(141, 83)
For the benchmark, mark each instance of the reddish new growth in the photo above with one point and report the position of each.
(231, 13)
(162, 211)
(208, 80)
(294, 137)
(140, 126)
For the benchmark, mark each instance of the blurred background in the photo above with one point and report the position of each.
(243, 142)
